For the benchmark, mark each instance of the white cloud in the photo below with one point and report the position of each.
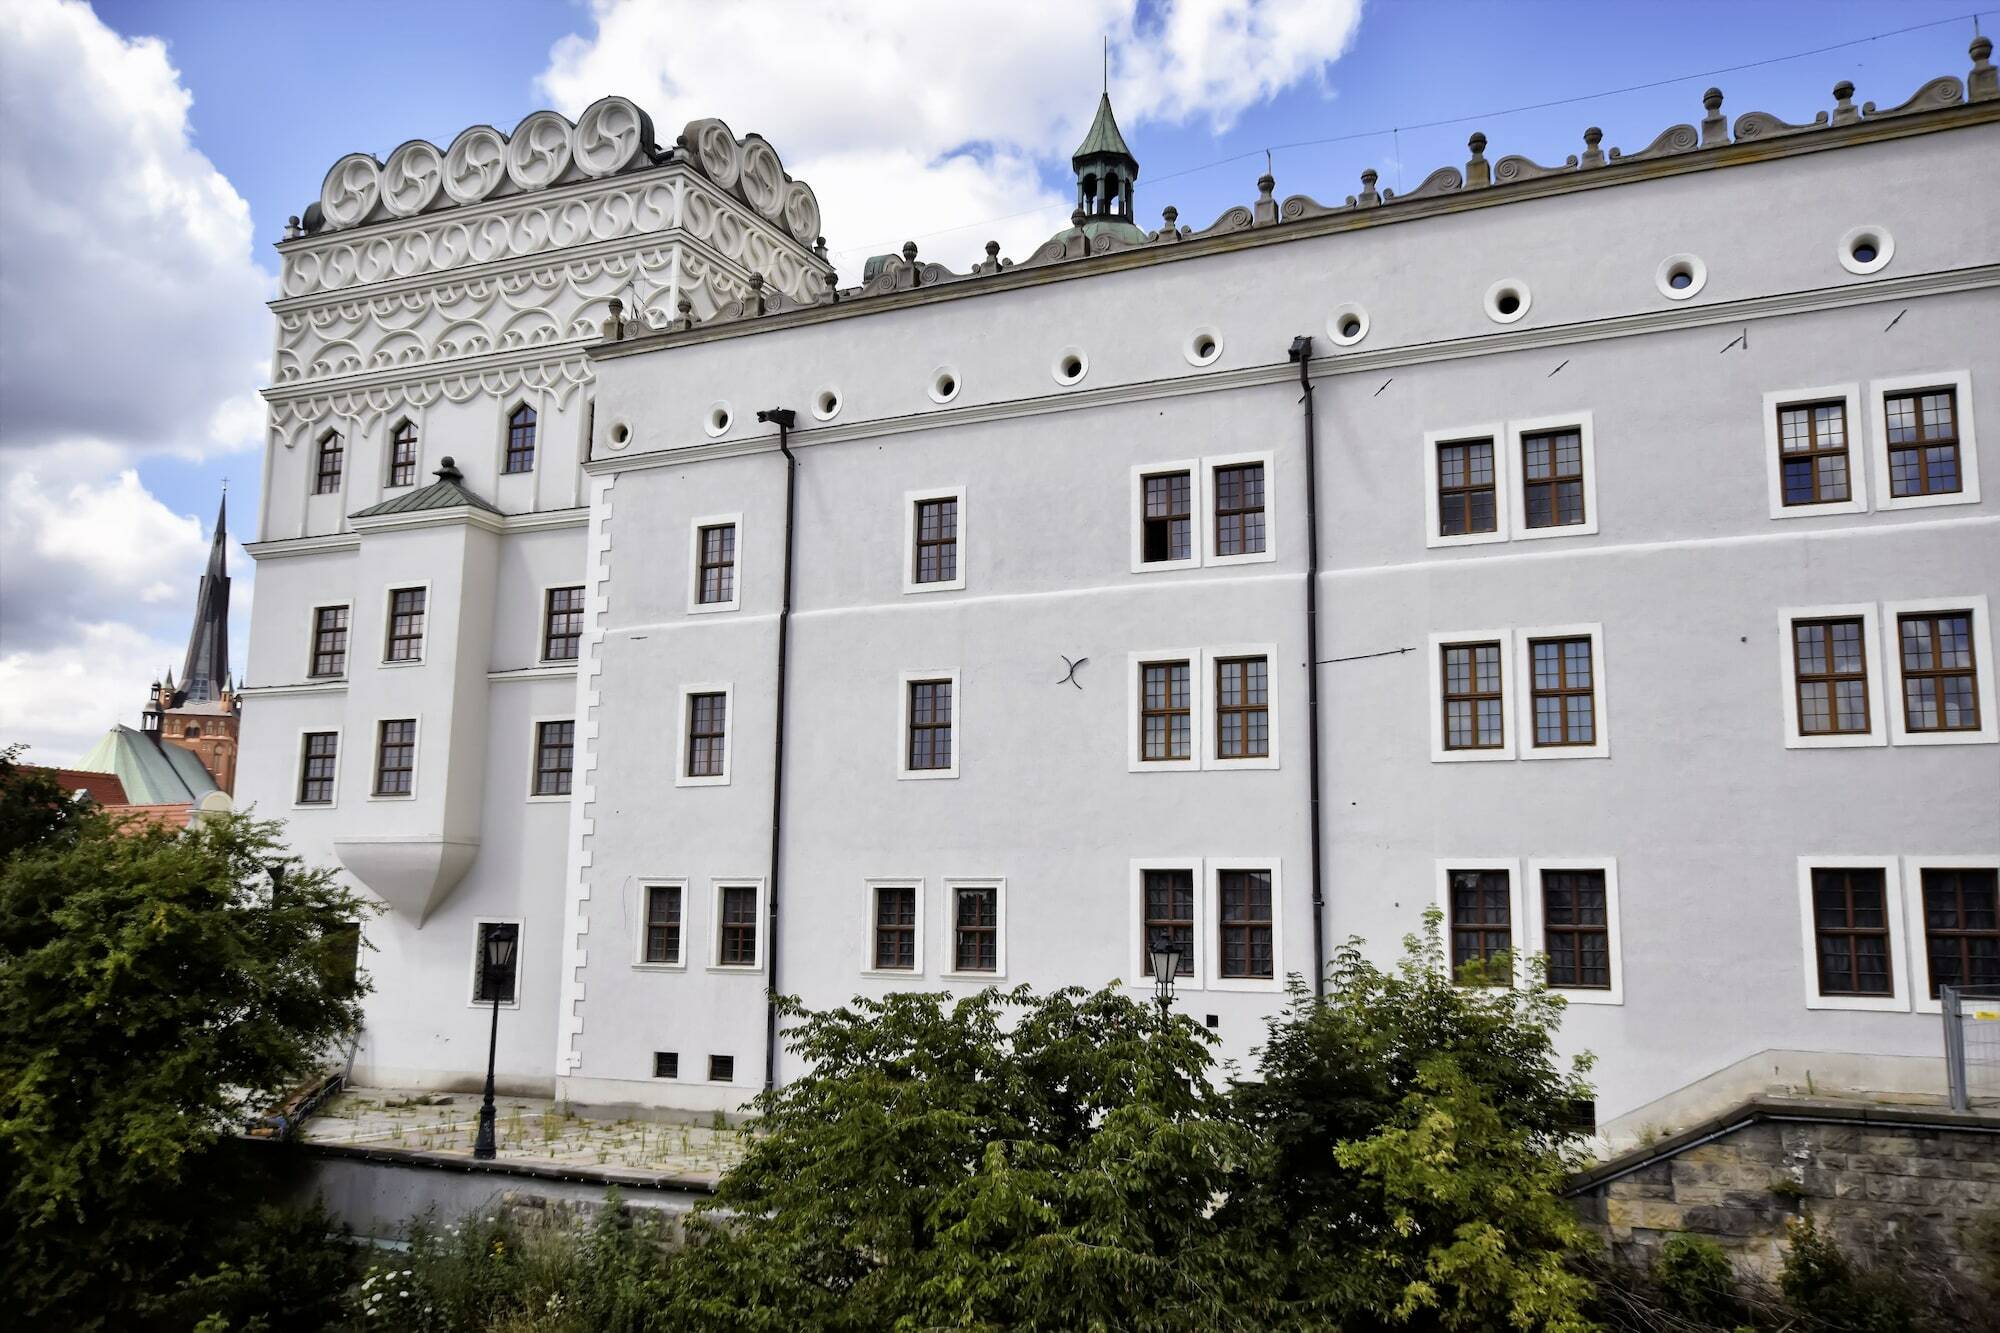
(909, 121)
(132, 311)
(60, 700)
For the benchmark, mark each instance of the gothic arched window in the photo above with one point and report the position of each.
(521, 439)
(332, 452)
(193, 730)
(403, 453)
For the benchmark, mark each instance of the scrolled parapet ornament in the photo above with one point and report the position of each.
(1945, 90)
(1445, 180)
(1764, 125)
(1514, 167)
(750, 170)
(1674, 139)
(412, 179)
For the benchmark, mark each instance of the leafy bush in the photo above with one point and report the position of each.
(1696, 1278)
(1831, 1293)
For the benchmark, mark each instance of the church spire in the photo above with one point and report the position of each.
(207, 665)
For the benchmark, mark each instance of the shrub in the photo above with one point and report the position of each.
(1695, 1278)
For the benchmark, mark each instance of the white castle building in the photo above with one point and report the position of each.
(1594, 551)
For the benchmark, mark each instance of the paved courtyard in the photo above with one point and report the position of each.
(528, 1130)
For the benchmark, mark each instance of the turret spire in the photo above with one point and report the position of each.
(1105, 168)
(207, 663)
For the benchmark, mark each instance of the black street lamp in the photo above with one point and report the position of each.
(1166, 965)
(499, 958)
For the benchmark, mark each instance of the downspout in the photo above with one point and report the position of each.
(782, 417)
(1302, 353)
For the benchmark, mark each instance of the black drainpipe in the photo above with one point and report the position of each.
(1302, 353)
(782, 417)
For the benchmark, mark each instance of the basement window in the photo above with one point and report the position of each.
(666, 1064)
(721, 1069)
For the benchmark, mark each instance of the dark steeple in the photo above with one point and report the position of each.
(207, 667)
(1105, 168)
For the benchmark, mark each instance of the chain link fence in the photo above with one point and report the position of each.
(1972, 1044)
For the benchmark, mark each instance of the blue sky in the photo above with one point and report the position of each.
(279, 91)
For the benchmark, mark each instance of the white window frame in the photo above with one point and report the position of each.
(695, 605)
(1196, 541)
(1788, 679)
(645, 888)
(520, 951)
(542, 626)
(1537, 924)
(903, 770)
(1211, 893)
(1898, 1001)
(1210, 658)
(686, 715)
(1516, 908)
(1525, 692)
(339, 755)
(312, 636)
(1968, 444)
(1982, 657)
(1517, 498)
(1135, 701)
(716, 885)
(1920, 952)
(1503, 503)
(375, 758)
(946, 965)
(1142, 966)
(910, 501)
(1858, 455)
(1509, 721)
(535, 756)
(388, 621)
(872, 888)
(1269, 458)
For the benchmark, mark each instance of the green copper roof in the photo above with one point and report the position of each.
(444, 493)
(1104, 138)
(151, 773)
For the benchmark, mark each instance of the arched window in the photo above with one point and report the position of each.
(193, 730)
(403, 453)
(332, 452)
(521, 439)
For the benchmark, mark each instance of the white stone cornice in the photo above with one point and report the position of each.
(547, 671)
(303, 687)
(326, 544)
(468, 368)
(1981, 277)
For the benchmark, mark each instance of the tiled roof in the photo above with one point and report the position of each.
(149, 772)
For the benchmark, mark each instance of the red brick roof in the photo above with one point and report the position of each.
(104, 788)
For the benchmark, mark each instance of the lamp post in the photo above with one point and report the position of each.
(499, 956)
(1166, 955)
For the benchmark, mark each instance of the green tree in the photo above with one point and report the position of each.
(153, 991)
(1006, 1160)
(34, 810)
(1414, 1132)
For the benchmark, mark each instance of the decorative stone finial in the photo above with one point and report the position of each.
(685, 307)
(1593, 155)
(1368, 198)
(1478, 171)
(1844, 109)
(819, 247)
(909, 252)
(756, 302)
(1076, 217)
(1267, 208)
(614, 328)
(292, 228)
(1171, 216)
(1983, 83)
(756, 282)
(449, 471)
(1714, 129)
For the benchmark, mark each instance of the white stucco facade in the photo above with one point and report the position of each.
(1500, 304)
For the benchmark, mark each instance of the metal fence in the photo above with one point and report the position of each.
(1971, 1044)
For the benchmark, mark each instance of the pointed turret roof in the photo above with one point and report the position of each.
(1103, 140)
(208, 643)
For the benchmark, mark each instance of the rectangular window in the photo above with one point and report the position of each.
(1552, 478)
(1481, 916)
(403, 454)
(1565, 707)
(1962, 927)
(717, 544)
(721, 1069)
(316, 767)
(708, 731)
(1244, 924)
(1576, 929)
(396, 757)
(555, 753)
(1812, 452)
(1922, 436)
(1940, 676)
(1170, 915)
(1851, 930)
(489, 985)
(666, 1064)
(929, 743)
(1166, 717)
(1242, 708)
(1239, 509)
(1474, 715)
(332, 453)
(736, 943)
(521, 439)
(975, 911)
(663, 923)
(1830, 658)
(937, 541)
(329, 652)
(1168, 532)
(895, 928)
(406, 625)
(1466, 491)
(562, 624)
